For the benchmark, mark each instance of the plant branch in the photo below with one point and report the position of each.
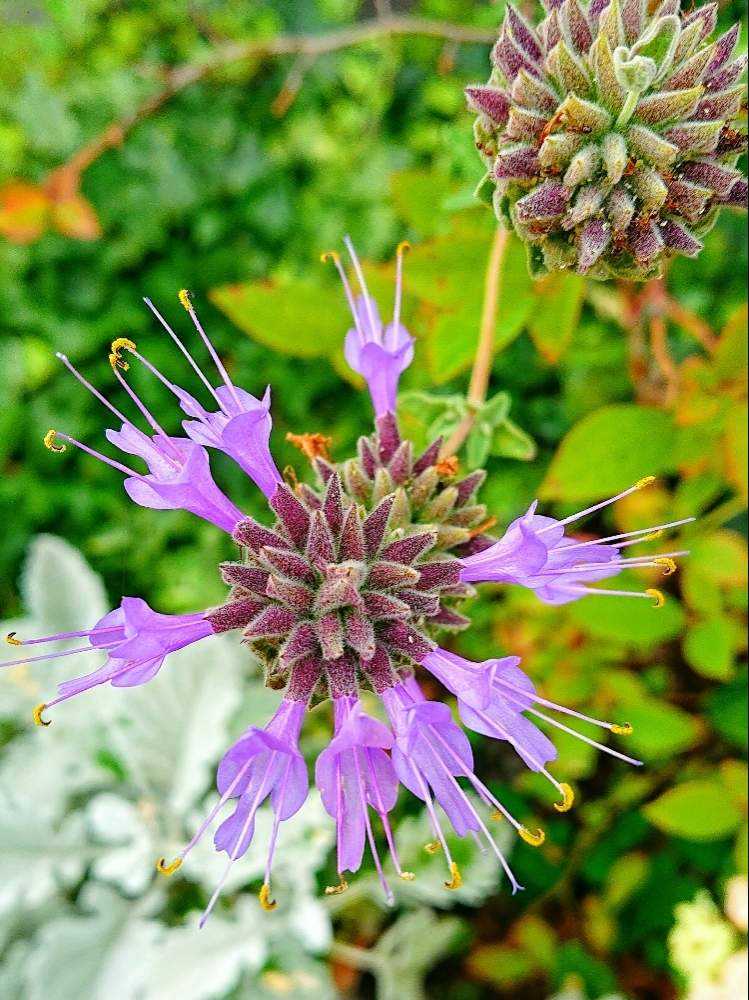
(482, 363)
(66, 178)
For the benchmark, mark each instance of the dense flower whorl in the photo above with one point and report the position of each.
(609, 133)
(356, 572)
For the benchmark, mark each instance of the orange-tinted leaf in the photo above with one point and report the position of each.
(23, 211)
(75, 217)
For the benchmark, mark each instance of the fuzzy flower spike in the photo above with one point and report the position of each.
(380, 354)
(349, 588)
(610, 132)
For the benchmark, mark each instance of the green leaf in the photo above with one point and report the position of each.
(631, 621)
(425, 416)
(696, 810)
(727, 709)
(418, 198)
(558, 303)
(303, 318)
(660, 730)
(511, 441)
(609, 450)
(447, 276)
(708, 648)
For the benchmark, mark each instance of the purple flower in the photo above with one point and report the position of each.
(378, 353)
(492, 697)
(136, 640)
(241, 425)
(353, 774)
(263, 763)
(344, 590)
(179, 475)
(429, 755)
(534, 552)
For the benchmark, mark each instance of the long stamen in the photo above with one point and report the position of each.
(629, 534)
(169, 869)
(435, 823)
(335, 257)
(482, 826)
(379, 806)
(150, 419)
(266, 899)
(57, 656)
(561, 786)
(490, 799)
(639, 485)
(237, 844)
(92, 389)
(363, 286)
(664, 562)
(586, 739)
(390, 899)
(61, 636)
(184, 298)
(50, 439)
(651, 593)
(190, 359)
(37, 713)
(620, 729)
(402, 248)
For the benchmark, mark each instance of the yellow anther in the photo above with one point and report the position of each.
(403, 247)
(184, 298)
(457, 879)
(497, 816)
(168, 869)
(658, 599)
(51, 443)
(534, 839)
(330, 255)
(652, 536)
(37, 714)
(642, 483)
(407, 876)
(123, 344)
(12, 640)
(623, 730)
(568, 800)
(266, 902)
(432, 847)
(336, 890)
(668, 564)
(118, 346)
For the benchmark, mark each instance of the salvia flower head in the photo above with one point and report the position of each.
(609, 132)
(348, 590)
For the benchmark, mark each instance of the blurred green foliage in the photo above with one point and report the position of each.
(228, 192)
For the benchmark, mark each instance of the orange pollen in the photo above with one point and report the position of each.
(447, 467)
(311, 445)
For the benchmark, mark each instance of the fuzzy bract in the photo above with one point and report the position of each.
(610, 132)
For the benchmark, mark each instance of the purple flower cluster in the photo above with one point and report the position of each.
(341, 598)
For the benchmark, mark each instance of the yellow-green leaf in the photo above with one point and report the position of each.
(695, 810)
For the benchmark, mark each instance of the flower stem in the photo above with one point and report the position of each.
(482, 362)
